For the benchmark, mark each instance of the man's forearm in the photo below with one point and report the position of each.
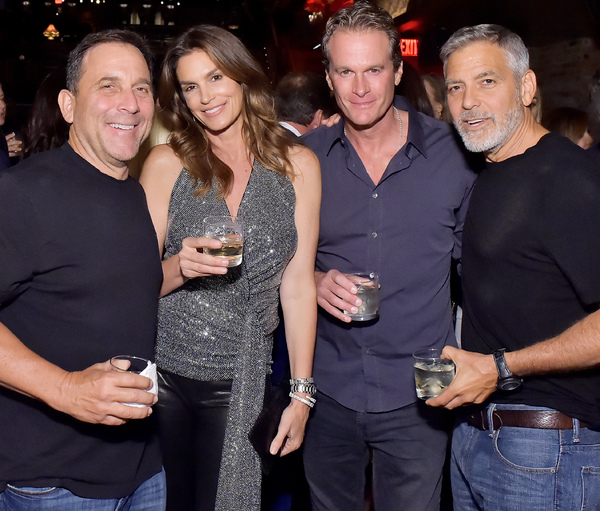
(25, 372)
(577, 348)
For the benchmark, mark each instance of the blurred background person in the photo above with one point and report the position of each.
(594, 97)
(227, 155)
(46, 128)
(536, 106)
(302, 101)
(412, 88)
(10, 147)
(571, 123)
(435, 87)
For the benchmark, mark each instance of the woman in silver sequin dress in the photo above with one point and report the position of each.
(227, 155)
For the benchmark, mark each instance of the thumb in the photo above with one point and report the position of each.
(278, 441)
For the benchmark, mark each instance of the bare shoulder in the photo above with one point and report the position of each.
(162, 165)
(306, 164)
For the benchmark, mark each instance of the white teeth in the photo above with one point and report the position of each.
(122, 126)
(212, 110)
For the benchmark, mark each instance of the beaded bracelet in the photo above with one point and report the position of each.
(308, 401)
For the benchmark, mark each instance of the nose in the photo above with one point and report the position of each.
(470, 98)
(361, 85)
(129, 101)
(206, 94)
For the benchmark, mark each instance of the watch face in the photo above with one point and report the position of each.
(511, 383)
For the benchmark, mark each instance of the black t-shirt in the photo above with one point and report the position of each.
(79, 282)
(531, 265)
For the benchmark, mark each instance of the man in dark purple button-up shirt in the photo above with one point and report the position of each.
(396, 185)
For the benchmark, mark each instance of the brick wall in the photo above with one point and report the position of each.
(564, 71)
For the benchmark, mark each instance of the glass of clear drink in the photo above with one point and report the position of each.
(432, 372)
(367, 286)
(229, 230)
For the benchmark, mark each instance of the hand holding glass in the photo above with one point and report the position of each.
(229, 231)
(367, 289)
(138, 365)
(432, 372)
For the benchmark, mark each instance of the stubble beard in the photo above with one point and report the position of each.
(477, 142)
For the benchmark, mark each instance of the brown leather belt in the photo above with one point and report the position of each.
(540, 419)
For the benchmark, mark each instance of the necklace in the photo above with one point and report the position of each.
(399, 120)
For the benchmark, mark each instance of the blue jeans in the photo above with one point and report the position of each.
(525, 469)
(149, 496)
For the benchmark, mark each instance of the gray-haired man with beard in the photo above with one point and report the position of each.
(531, 285)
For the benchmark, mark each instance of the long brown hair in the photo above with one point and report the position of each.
(267, 140)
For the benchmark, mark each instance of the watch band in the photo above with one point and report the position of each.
(304, 388)
(506, 379)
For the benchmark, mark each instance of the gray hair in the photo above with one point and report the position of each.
(363, 17)
(75, 61)
(516, 51)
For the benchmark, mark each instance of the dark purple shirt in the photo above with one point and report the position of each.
(407, 228)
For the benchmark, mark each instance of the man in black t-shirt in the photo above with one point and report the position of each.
(531, 288)
(79, 282)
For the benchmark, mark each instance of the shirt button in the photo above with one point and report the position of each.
(374, 234)
(375, 195)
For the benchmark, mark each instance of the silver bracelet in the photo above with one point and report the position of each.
(304, 388)
(308, 401)
(294, 381)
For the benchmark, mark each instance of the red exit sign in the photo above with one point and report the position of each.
(409, 47)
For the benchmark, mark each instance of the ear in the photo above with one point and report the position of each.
(528, 87)
(328, 78)
(66, 103)
(398, 73)
(317, 118)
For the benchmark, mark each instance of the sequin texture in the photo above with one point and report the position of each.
(220, 327)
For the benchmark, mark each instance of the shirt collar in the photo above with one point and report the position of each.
(416, 135)
(291, 128)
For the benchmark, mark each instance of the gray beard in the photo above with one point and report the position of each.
(502, 132)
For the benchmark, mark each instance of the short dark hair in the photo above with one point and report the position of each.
(568, 122)
(299, 95)
(92, 40)
(363, 17)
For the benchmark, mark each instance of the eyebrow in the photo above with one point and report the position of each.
(207, 75)
(483, 74)
(145, 81)
(353, 68)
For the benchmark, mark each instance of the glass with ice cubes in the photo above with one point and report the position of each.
(432, 372)
(367, 289)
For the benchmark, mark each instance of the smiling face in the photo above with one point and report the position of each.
(214, 99)
(483, 96)
(111, 112)
(361, 75)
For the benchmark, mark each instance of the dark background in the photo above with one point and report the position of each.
(283, 37)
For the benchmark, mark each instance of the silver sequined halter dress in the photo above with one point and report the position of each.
(221, 327)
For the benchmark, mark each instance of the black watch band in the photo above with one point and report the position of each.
(506, 379)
